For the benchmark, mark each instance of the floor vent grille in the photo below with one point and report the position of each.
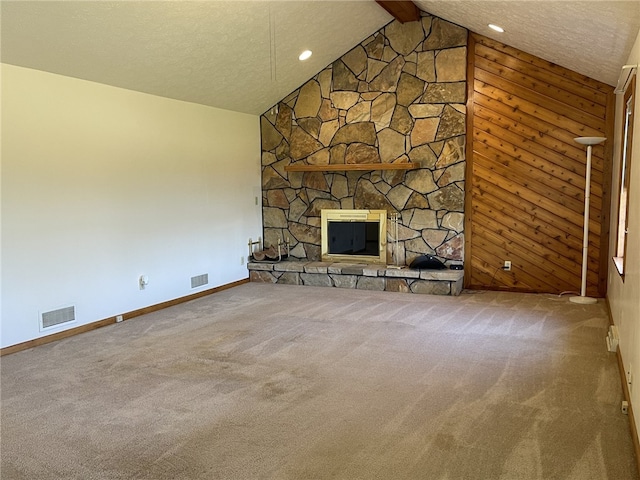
(58, 317)
(199, 280)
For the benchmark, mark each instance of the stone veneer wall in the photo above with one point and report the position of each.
(398, 96)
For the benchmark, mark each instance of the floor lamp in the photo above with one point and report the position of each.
(589, 142)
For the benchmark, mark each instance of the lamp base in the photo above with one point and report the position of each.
(583, 300)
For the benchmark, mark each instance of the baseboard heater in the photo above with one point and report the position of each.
(612, 339)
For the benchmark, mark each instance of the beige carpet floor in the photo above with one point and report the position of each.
(288, 382)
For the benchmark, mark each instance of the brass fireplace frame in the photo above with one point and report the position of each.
(378, 216)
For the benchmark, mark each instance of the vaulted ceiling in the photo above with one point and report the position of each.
(243, 55)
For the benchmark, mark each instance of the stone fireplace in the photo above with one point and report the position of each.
(382, 128)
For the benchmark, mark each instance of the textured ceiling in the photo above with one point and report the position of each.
(237, 55)
(593, 38)
(242, 55)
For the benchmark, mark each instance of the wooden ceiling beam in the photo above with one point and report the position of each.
(402, 10)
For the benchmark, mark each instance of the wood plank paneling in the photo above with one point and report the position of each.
(572, 127)
(543, 170)
(541, 86)
(525, 194)
(506, 108)
(521, 147)
(532, 96)
(541, 69)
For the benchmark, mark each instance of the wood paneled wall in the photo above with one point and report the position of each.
(525, 188)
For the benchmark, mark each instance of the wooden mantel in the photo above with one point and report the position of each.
(343, 167)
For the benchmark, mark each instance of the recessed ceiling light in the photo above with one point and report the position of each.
(305, 55)
(496, 28)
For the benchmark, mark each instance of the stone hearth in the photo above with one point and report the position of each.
(359, 276)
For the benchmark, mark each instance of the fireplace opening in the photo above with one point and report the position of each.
(353, 238)
(354, 235)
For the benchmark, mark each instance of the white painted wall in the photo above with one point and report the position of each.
(101, 185)
(624, 297)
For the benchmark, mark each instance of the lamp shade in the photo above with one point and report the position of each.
(590, 140)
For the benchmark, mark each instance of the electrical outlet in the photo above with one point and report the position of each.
(241, 260)
(507, 265)
(119, 318)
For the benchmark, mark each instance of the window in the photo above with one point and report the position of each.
(625, 177)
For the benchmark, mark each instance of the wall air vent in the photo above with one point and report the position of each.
(57, 317)
(199, 280)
